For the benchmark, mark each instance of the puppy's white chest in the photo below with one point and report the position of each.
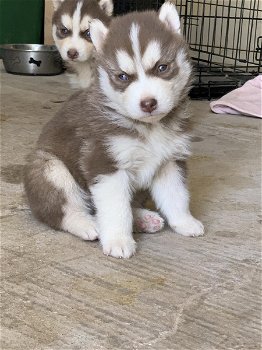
(142, 158)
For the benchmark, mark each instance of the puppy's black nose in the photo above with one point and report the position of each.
(72, 54)
(148, 105)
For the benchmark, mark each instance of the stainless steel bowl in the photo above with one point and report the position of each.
(31, 59)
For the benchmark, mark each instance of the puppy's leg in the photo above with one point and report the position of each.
(147, 221)
(172, 198)
(112, 197)
(55, 197)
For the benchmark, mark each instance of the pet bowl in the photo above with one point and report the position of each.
(31, 59)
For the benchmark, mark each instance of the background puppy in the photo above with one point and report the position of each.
(71, 22)
(128, 133)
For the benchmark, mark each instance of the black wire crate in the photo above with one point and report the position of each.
(124, 6)
(225, 39)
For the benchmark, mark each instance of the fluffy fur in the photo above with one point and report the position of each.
(71, 33)
(129, 133)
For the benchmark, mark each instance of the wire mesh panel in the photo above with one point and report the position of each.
(225, 38)
(121, 6)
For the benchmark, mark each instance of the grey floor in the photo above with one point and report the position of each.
(176, 293)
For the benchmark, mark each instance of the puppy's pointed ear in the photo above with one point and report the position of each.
(107, 6)
(57, 3)
(168, 14)
(98, 32)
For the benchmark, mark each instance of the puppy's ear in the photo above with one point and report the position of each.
(57, 3)
(98, 32)
(107, 6)
(169, 16)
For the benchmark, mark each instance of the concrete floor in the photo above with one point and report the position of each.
(176, 293)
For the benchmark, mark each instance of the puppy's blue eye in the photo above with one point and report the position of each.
(87, 33)
(64, 31)
(123, 77)
(162, 68)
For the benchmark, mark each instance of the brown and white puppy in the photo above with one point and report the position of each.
(128, 133)
(71, 23)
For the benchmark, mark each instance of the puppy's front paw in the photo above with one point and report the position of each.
(189, 226)
(120, 247)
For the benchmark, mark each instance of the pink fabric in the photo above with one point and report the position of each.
(245, 100)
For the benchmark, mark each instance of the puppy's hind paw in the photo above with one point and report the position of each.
(81, 226)
(147, 221)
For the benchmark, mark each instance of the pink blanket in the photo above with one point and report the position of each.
(245, 100)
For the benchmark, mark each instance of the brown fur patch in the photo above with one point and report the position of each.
(81, 120)
(45, 200)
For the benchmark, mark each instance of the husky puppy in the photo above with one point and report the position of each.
(71, 33)
(128, 133)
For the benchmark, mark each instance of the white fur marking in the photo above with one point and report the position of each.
(152, 55)
(134, 33)
(84, 76)
(67, 21)
(141, 159)
(54, 28)
(76, 19)
(125, 62)
(98, 33)
(85, 23)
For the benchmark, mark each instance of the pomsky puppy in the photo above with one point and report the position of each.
(71, 33)
(128, 133)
